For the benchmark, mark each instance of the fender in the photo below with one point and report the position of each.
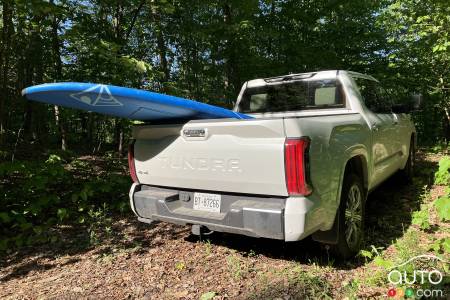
(330, 236)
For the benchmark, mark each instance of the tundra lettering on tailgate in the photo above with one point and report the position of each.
(201, 164)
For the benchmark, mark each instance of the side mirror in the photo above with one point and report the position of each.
(401, 108)
(417, 100)
(414, 104)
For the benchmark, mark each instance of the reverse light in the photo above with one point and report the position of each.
(296, 165)
(131, 164)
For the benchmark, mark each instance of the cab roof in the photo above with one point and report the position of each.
(305, 76)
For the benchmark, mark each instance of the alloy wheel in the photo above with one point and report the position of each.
(353, 216)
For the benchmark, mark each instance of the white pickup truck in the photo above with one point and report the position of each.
(317, 144)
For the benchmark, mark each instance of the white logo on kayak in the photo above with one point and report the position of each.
(98, 95)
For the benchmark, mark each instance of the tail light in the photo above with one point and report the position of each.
(131, 162)
(296, 165)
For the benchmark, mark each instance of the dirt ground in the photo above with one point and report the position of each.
(164, 261)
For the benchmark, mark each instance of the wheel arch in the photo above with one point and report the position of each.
(413, 141)
(356, 164)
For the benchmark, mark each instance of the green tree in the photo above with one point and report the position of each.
(418, 36)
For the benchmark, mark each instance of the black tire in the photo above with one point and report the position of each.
(407, 173)
(351, 217)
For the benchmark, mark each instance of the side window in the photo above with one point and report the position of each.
(325, 96)
(374, 96)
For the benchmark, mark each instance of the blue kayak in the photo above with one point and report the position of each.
(125, 102)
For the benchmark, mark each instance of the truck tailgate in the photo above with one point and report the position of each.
(239, 156)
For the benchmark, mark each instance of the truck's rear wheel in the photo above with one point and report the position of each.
(351, 217)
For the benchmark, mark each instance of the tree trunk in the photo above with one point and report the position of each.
(133, 20)
(2, 76)
(118, 136)
(40, 124)
(34, 73)
(120, 149)
(29, 106)
(58, 76)
(4, 61)
(161, 44)
(56, 47)
(90, 130)
(99, 135)
(61, 129)
(272, 18)
(232, 83)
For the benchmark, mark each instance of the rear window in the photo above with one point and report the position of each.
(292, 96)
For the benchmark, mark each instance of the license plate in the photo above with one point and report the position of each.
(207, 202)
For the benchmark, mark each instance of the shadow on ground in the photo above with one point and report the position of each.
(128, 234)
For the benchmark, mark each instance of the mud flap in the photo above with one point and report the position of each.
(329, 236)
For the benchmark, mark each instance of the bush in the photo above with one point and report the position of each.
(39, 195)
(442, 205)
(442, 176)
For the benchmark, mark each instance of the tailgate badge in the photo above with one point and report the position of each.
(194, 132)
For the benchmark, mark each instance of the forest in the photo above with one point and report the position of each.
(63, 171)
(205, 51)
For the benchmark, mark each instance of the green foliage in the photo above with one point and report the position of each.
(208, 247)
(381, 262)
(366, 254)
(417, 35)
(208, 296)
(251, 253)
(235, 266)
(39, 195)
(441, 246)
(100, 224)
(180, 266)
(438, 148)
(206, 50)
(442, 205)
(62, 214)
(374, 252)
(409, 245)
(445, 245)
(421, 218)
(442, 176)
(351, 288)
